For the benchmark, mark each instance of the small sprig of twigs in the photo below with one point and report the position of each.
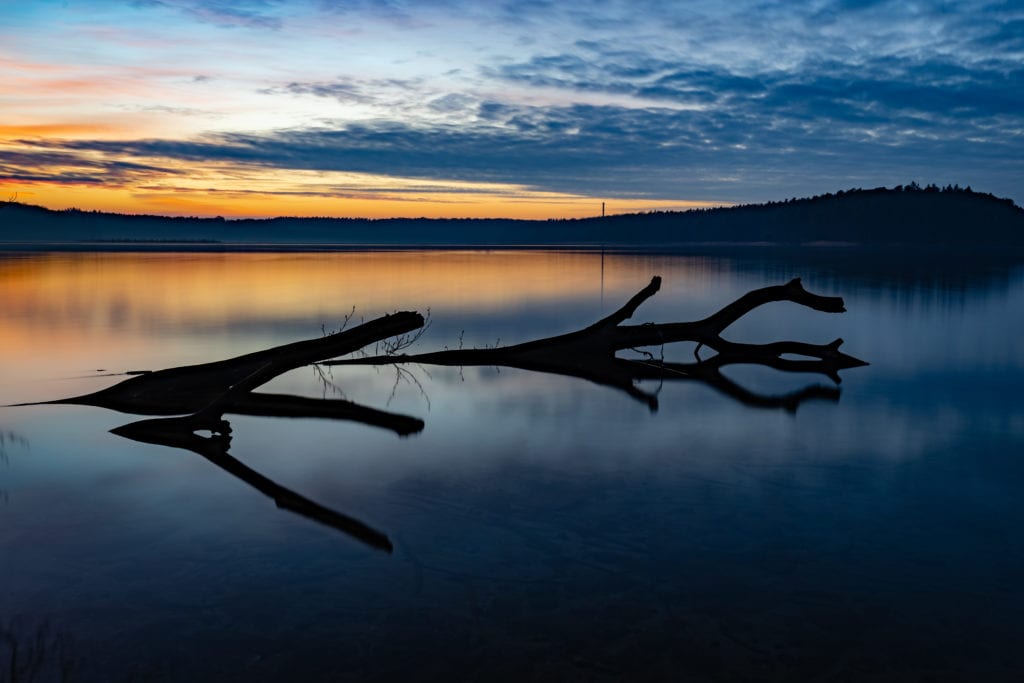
(405, 375)
(344, 323)
(327, 383)
(392, 346)
(396, 345)
(399, 343)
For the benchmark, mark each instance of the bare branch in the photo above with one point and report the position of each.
(589, 353)
(627, 311)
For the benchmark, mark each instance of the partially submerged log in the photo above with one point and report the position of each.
(200, 395)
(190, 388)
(590, 353)
(210, 390)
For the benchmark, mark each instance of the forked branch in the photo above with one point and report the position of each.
(589, 353)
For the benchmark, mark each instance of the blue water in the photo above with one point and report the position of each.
(544, 528)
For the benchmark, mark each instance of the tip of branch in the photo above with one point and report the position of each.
(415, 315)
(841, 360)
(826, 304)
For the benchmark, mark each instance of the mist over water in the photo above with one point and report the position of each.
(543, 526)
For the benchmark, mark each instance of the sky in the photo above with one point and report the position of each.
(526, 108)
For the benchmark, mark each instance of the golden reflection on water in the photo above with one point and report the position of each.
(83, 291)
(68, 313)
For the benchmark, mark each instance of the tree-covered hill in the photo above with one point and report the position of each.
(904, 215)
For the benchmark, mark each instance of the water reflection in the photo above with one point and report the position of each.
(9, 440)
(942, 273)
(589, 353)
(36, 651)
(210, 390)
(182, 433)
(543, 527)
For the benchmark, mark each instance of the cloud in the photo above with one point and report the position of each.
(387, 92)
(68, 166)
(343, 92)
(606, 150)
(729, 102)
(224, 13)
(452, 103)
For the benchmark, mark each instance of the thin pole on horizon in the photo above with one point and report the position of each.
(602, 264)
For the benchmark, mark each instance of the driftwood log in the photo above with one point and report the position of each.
(197, 397)
(590, 353)
(200, 395)
(226, 386)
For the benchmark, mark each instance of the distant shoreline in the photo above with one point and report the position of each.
(903, 216)
(696, 248)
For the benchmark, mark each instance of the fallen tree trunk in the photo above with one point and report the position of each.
(590, 353)
(200, 395)
(226, 386)
(209, 390)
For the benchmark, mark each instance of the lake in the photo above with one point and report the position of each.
(544, 527)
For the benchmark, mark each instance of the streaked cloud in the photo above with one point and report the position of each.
(642, 101)
(250, 14)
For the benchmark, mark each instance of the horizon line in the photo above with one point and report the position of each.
(910, 188)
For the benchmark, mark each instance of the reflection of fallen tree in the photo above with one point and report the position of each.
(35, 652)
(8, 439)
(180, 432)
(198, 396)
(209, 391)
(590, 353)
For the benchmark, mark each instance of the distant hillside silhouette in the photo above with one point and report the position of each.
(904, 215)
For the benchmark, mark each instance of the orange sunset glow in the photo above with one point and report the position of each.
(261, 109)
(281, 197)
(203, 289)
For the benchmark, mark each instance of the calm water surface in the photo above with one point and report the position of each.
(544, 527)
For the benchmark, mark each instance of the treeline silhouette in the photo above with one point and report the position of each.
(907, 215)
(904, 215)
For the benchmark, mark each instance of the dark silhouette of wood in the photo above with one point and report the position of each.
(180, 432)
(226, 386)
(209, 390)
(198, 396)
(590, 353)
